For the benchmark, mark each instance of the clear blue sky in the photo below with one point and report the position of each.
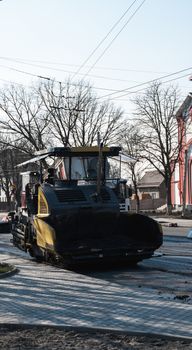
(64, 32)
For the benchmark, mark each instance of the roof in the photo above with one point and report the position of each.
(185, 107)
(79, 151)
(92, 151)
(151, 179)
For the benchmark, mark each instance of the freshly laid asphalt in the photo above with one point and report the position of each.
(40, 294)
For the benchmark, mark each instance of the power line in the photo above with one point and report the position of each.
(147, 82)
(105, 37)
(134, 13)
(11, 82)
(51, 79)
(26, 61)
(19, 70)
(111, 42)
(99, 88)
(46, 78)
(135, 92)
(66, 71)
(75, 84)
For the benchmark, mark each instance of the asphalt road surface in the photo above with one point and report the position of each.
(175, 231)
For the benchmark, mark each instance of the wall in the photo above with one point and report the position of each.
(148, 204)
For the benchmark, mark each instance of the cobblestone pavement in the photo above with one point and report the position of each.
(41, 294)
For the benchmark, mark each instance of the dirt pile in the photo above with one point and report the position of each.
(14, 337)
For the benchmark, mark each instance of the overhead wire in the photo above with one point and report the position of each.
(105, 37)
(142, 89)
(62, 70)
(76, 84)
(147, 82)
(115, 37)
(165, 82)
(45, 77)
(11, 82)
(115, 91)
(20, 71)
(26, 61)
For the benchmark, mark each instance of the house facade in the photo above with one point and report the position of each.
(151, 191)
(152, 185)
(181, 188)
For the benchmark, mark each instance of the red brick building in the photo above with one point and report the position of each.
(182, 178)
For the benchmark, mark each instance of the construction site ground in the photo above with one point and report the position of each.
(144, 307)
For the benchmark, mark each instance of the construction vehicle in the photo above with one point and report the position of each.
(69, 213)
(124, 194)
(123, 191)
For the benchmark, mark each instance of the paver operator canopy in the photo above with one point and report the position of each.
(86, 165)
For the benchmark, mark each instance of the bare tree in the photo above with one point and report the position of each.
(63, 103)
(53, 113)
(23, 118)
(76, 114)
(10, 181)
(132, 146)
(103, 118)
(155, 111)
(6, 177)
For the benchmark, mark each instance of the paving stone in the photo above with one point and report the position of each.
(41, 294)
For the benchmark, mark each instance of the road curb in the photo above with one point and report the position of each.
(13, 271)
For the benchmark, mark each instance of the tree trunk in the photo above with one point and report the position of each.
(137, 208)
(168, 192)
(137, 204)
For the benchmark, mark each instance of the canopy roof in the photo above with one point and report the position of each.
(92, 151)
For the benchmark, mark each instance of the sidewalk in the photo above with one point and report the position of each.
(179, 221)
